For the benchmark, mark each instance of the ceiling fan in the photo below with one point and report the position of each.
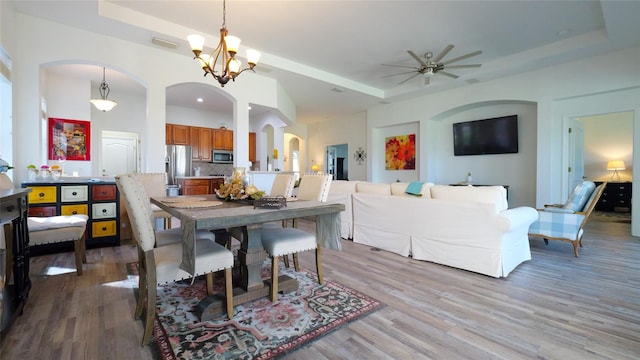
(429, 65)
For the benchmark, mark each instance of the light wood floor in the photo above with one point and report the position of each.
(555, 306)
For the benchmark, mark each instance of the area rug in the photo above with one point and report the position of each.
(259, 329)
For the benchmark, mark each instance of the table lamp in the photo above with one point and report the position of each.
(615, 165)
(315, 168)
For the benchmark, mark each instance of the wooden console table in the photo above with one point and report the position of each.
(14, 258)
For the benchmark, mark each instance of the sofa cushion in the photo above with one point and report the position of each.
(373, 188)
(399, 189)
(342, 186)
(496, 195)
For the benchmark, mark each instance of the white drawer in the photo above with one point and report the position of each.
(103, 210)
(74, 193)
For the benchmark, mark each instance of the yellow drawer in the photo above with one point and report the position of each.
(42, 194)
(104, 228)
(74, 209)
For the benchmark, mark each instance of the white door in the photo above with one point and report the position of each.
(576, 154)
(119, 153)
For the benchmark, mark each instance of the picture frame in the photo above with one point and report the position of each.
(69, 139)
(400, 152)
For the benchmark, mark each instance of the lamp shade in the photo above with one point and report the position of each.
(615, 165)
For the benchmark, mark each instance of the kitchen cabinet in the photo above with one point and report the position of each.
(195, 186)
(201, 139)
(215, 184)
(222, 139)
(177, 134)
(98, 200)
(252, 147)
(199, 186)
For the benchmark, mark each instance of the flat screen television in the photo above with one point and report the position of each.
(488, 136)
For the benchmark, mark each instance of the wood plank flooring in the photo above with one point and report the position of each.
(555, 306)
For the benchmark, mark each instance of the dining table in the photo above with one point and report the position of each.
(221, 217)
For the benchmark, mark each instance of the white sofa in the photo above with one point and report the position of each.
(465, 227)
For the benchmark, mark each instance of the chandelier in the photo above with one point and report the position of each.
(222, 64)
(102, 103)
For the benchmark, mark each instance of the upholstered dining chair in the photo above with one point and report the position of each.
(159, 265)
(283, 185)
(284, 241)
(155, 186)
(565, 222)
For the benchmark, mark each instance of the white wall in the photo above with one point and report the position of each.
(551, 89)
(350, 131)
(608, 137)
(58, 43)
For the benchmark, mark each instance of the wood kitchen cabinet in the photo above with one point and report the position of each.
(177, 134)
(195, 186)
(252, 147)
(201, 139)
(222, 139)
(215, 184)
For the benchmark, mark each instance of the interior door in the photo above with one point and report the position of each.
(119, 153)
(575, 167)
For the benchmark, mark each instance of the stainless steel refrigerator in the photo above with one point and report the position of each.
(177, 162)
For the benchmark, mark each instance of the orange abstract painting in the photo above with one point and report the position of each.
(400, 152)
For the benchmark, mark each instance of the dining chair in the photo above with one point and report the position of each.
(290, 240)
(159, 265)
(155, 185)
(283, 185)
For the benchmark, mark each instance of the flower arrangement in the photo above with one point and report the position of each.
(235, 189)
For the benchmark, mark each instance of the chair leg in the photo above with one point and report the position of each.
(274, 278)
(285, 258)
(228, 291)
(142, 285)
(83, 244)
(575, 248)
(210, 280)
(151, 314)
(319, 265)
(77, 247)
(296, 264)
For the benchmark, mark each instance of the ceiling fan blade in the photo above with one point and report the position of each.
(418, 58)
(464, 66)
(402, 66)
(442, 54)
(402, 73)
(448, 74)
(407, 79)
(475, 53)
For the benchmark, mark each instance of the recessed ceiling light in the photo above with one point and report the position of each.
(563, 32)
(249, 107)
(199, 100)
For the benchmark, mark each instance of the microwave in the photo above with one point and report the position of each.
(222, 157)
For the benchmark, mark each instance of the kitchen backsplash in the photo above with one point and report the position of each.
(207, 169)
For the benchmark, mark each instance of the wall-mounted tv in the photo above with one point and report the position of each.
(488, 136)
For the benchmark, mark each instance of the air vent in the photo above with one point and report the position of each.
(165, 43)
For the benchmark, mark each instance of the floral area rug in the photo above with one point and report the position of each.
(259, 329)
